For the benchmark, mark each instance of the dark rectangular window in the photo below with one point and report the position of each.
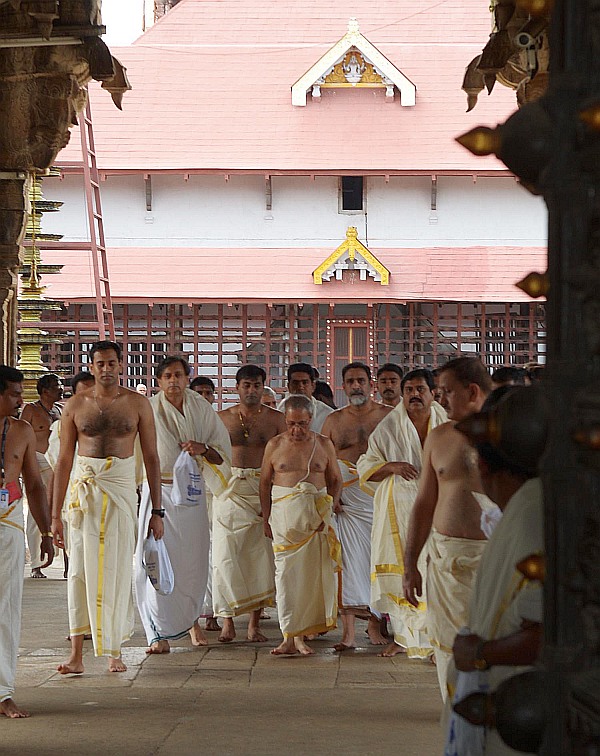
(352, 192)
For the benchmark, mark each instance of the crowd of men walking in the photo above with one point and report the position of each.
(410, 514)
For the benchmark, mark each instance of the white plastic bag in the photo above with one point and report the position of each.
(157, 565)
(463, 738)
(188, 483)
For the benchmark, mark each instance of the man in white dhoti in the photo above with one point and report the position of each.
(349, 429)
(104, 422)
(80, 382)
(446, 515)
(390, 469)
(40, 415)
(302, 380)
(243, 570)
(506, 610)
(19, 437)
(205, 386)
(194, 452)
(300, 486)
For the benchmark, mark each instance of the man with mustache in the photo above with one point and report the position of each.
(445, 523)
(349, 429)
(243, 569)
(389, 377)
(390, 469)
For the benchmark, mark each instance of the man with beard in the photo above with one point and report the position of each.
(349, 429)
(243, 571)
(446, 514)
(389, 377)
(390, 469)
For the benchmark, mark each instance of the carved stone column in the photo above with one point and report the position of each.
(14, 205)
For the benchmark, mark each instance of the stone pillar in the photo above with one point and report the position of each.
(14, 205)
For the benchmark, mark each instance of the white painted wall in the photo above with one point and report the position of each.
(207, 211)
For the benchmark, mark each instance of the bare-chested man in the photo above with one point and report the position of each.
(391, 467)
(349, 429)
(243, 572)
(104, 422)
(17, 458)
(389, 377)
(445, 503)
(300, 485)
(40, 415)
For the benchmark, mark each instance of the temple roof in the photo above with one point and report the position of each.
(212, 85)
(148, 274)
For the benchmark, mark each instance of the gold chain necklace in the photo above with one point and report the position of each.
(102, 411)
(247, 428)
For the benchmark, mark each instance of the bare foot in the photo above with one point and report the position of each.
(255, 636)
(37, 573)
(374, 633)
(302, 647)
(228, 631)
(158, 647)
(212, 625)
(10, 709)
(383, 627)
(287, 648)
(392, 650)
(117, 665)
(343, 647)
(71, 667)
(197, 636)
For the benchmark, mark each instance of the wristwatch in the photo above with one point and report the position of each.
(480, 663)
(159, 512)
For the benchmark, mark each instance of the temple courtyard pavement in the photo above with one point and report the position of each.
(221, 699)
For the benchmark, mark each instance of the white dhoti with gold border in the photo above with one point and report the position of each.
(306, 559)
(101, 511)
(243, 570)
(12, 563)
(353, 527)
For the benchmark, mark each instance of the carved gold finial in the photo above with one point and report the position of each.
(351, 233)
(535, 284)
(533, 567)
(353, 27)
(481, 141)
(535, 7)
(591, 117)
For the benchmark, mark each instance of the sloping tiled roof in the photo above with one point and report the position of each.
(212, 90)
(467, 274)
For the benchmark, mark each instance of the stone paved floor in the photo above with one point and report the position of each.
(234, 699)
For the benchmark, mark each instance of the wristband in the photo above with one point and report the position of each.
(159, 512)
(47, 535)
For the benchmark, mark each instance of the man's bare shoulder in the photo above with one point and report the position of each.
(444, 434)
(21, 428)
(228, 411)
(382, 410)
(324, 442)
